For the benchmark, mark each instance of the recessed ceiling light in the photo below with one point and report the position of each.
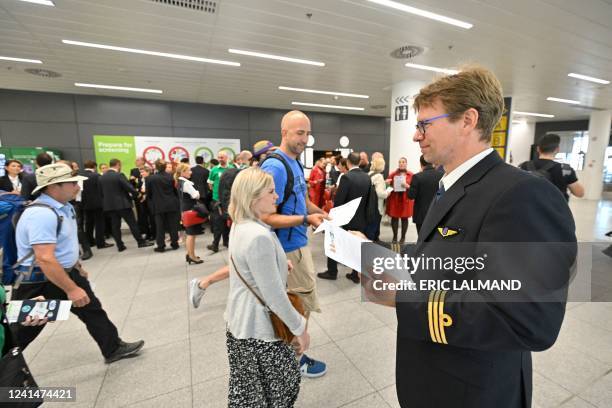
(423, 13)
(43, 2)
(328, 106)
(276, 57)
(542, 115)
(154, 53)
(118, 88)
(434, 69)
(588, 78)
(349, 95)
(33, 61)
(550, 98)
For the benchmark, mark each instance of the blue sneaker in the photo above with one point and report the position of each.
(312, 368)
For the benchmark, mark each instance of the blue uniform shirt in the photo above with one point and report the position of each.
(296, 205)
(38, 225)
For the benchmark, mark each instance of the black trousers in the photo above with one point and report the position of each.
(80, 216)
(149, 221)
(219, 226)
(94, 221)
(128, 216)
(167, 222)
(95, 318)
(143, 219)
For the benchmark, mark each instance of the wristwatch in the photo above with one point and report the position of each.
(305, 222)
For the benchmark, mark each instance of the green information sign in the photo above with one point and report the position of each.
(115, 147)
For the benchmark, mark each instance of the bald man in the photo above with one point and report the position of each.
(243, 159)
(294, 214)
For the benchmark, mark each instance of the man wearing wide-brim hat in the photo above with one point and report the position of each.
(47, 231)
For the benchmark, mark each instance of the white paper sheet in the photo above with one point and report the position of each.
(344, 247)
(397, 183)
(340, 215)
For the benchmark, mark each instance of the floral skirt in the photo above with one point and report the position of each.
(262, 374)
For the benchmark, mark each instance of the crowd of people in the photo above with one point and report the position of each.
(260, 206)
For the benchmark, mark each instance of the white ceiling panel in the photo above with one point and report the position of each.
(530, 44)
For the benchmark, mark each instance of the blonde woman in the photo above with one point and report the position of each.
(377, 167)
(264, 370)
(189, 197)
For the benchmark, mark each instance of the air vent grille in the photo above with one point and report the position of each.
(45, 73)
(407, 52)
(206, 6)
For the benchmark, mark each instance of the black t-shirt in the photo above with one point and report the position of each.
(561, 175)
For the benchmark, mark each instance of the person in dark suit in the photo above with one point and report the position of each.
(461, 347)
(28, 182)
(199, 177)
(355, 183)
(147, 213)
(11, 181)
(136, 182)
(117, 200)
(334, 173)
(164, 203)
(422, 190)
(77, 204)
(91, 198)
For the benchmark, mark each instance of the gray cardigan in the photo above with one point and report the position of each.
(261, 261)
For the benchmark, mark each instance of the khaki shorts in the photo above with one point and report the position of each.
(302, 280)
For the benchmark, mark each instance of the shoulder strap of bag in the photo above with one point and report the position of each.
(58, 229)
(249, 286)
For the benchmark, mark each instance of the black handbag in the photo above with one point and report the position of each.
(201, 210)
(14, 371)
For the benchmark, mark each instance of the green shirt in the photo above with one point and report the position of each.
(215, 176)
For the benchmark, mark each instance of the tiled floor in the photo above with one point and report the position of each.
(184, 363)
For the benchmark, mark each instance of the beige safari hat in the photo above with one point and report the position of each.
(53, 174)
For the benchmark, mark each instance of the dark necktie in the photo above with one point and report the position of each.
(440, 192)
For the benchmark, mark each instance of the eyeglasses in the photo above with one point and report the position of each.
(421, 125)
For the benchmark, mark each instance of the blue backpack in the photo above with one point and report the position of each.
(11, 208)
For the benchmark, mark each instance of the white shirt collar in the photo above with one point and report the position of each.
(451, 178)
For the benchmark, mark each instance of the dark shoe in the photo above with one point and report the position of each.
(175, 247)
(106, 245)
(121, 248)
(226, 245)
(158, 249)
(213, 248)
(86, 255)
(327, 275)
(145, 244)
(354, 276)
(124, 350)
(190, 260)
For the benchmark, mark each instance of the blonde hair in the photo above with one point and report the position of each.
(377, 165)
(248, 186)
(473, 87)
(180, 169)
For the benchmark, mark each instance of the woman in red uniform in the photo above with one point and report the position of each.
(398, 204)
(316, 182)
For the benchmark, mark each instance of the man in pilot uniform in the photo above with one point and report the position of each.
(452, 349)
